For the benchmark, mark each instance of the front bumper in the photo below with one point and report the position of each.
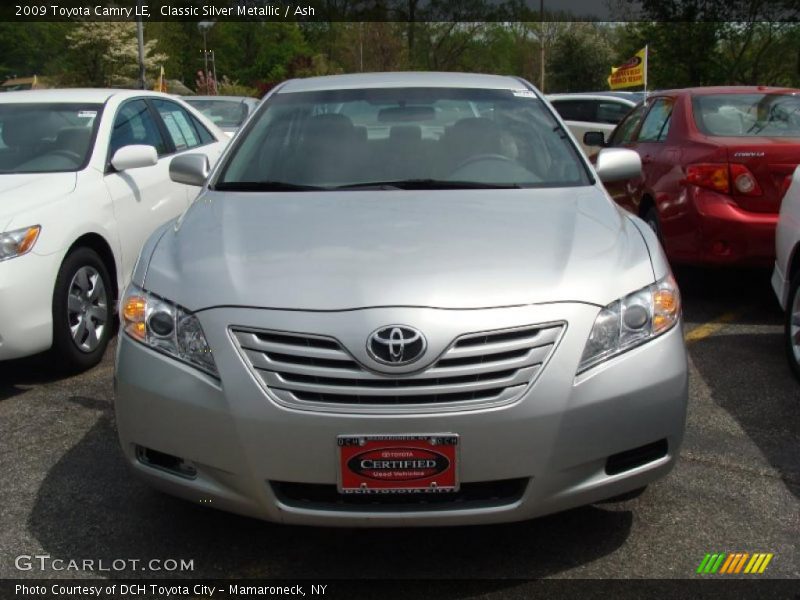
(557, 437)
(26, 304)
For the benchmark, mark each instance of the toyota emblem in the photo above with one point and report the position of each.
(396, 345)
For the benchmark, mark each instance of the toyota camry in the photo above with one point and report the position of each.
(402, 298)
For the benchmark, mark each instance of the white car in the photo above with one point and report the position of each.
(601, 111)
(786, 275)
(84, 180)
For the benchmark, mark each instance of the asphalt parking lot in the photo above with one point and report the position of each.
(66, 492)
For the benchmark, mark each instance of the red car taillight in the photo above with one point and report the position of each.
(712, 176)
(718, 177)
(744, 181)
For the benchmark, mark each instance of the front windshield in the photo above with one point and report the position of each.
(429, 137)
(748, 115)
(223, 113)
(46, 138)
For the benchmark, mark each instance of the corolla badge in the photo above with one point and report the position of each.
(396, 345)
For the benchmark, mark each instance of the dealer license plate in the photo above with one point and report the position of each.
(385, 464)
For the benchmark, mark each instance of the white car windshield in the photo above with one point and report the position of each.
(46, 138)
(223, 113)
(403, 137)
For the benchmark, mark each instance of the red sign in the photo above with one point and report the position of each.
(380, 464)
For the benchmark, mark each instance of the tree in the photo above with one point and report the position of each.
(106, 53)
(579, 59)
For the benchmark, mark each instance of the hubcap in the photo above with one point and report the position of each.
(794, 325)
(87, 308)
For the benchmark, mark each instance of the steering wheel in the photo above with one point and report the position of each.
(483, 157)
(74, 156)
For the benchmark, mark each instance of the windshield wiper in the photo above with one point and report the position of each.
(429, 184)
(266, 186)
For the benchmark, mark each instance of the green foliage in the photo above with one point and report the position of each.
(697, 51)
(228, 87)
(580, 59)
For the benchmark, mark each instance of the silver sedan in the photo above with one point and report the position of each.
(402, 299)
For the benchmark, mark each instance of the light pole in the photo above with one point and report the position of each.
(541, 44)
(140, 42)
(204, 26)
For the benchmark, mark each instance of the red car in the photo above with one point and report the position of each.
(716, 163)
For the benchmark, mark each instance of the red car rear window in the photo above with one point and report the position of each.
(748, 115)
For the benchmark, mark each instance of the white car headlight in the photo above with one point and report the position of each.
(18, 242)
(631, 321)
(166, 327)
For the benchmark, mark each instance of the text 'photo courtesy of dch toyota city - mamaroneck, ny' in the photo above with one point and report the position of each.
(399, 299)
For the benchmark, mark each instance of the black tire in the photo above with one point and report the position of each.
(793, 312)
(651, 218)
(71, 307)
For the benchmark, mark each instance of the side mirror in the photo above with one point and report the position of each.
(594, 138)
(189, 169)
(617, 164)
(134, 157)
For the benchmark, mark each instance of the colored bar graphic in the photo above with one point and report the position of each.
(734, 563)
(718, 563)
(703, 563)
(765, 563)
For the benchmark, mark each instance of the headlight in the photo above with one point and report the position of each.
(631, 321)
(18, 242)
(166, 327)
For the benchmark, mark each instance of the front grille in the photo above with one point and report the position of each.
(483, 494)
(479, 368)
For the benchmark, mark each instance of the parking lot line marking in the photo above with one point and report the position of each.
(708, 329)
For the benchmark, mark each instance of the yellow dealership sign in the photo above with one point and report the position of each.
(632, 73)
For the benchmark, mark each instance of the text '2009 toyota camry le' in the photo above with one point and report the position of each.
(402, 299)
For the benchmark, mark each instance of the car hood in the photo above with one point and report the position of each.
(445, 249)
(20, 193)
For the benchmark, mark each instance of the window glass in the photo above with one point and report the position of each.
(353, 137)
(576, 110)
(623, 134)
(46, 137)
(135, 124)
(611, 112)
(179, 125)
(205, 134)
(745, 115)
(656, 123)
(225, 113)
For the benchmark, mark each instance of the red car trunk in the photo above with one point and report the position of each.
(772, 161)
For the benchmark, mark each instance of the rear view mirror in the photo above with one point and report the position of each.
(405, 114)
(189, 169)
(134, 157)
(594, 138)
(617, 164)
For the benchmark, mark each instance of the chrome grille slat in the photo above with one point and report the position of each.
(540, 337)
(477, 398)
(351, 388)
(251, 341)
(478, 369)
(350, 369)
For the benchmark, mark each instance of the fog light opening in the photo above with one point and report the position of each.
(165, 462)
(631, 459)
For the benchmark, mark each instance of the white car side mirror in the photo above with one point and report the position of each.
(617, 164)
(134, 157)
